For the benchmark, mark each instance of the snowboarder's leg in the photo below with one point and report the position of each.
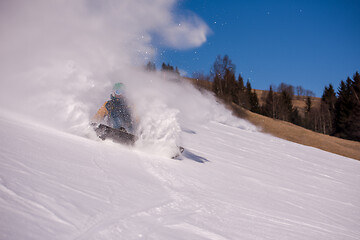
(119, 123)
(129, 128)
(116, 122)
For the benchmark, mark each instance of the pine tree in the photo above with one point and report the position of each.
(356, 87)
(269, 104)
(308, 108)
(177, 71)
(227, 83)
(353, 131)
(253, 99)
(327, 110)
(285, 106)
(167, 67)
(150, 66)
(254, 102)
(295, 117)
(217, 86)
(243, 99)
(308, 104)
(233, 89)
(342, 109)
(163, 67)
(248, 91)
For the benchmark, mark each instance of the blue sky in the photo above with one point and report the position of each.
(307, 43)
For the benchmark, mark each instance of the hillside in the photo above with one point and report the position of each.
(290, 131)
(233, 182)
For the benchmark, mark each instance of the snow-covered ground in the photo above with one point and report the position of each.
(58, 63)
(231, 183)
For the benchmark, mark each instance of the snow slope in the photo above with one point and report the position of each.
(232, 183)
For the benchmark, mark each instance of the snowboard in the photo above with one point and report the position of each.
(117, 135)
(121, 136)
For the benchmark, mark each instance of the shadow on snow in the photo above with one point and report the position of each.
(194, 157)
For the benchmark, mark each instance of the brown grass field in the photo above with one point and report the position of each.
(294, 133)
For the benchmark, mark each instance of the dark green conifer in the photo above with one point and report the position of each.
(269, 104)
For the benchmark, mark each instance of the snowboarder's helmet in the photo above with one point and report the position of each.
(118, 89)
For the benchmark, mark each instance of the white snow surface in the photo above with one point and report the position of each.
(58, 61)
(231, 183)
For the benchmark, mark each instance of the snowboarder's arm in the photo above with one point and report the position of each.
(100, 115)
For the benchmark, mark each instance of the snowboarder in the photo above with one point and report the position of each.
(114, 120)
(116, 112)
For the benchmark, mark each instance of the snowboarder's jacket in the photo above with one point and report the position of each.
(116, 112)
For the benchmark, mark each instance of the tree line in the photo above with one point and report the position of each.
(338, 114)
(278, 103)
(150, 66)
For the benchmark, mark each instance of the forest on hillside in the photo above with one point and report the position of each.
(338, 113)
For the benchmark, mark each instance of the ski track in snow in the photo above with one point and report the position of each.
(231, 183)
